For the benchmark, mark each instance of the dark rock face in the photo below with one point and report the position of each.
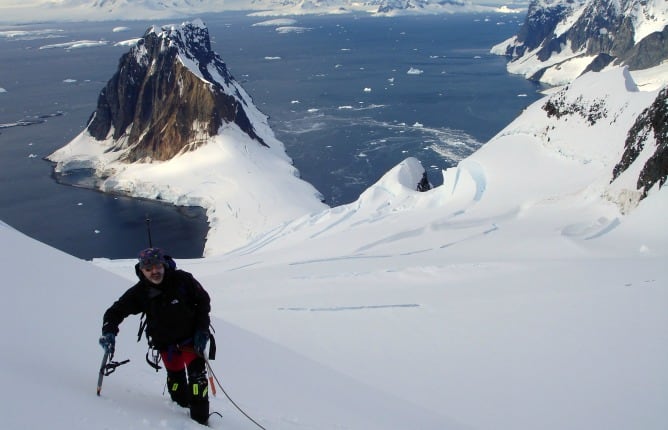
(599, 63)
(538, 25)
(650, 126)
(155, 106)
(558, 107)
(603, 29)
(651, 51)
(424, 184)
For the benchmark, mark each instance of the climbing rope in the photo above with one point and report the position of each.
(208, 366)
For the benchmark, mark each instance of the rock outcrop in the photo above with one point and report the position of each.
(171, 92)
(649, 134)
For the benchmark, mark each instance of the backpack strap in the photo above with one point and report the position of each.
(142, 326)
(143, 319)
(212, 347)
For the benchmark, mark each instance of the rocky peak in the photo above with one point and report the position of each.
(583, 35)
(170, 94)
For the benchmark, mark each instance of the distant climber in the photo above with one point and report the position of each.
(424, 184)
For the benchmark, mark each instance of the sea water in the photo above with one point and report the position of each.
(353, 97)
(350, 97)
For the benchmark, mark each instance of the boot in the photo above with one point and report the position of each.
(177, 385)
(199, 400)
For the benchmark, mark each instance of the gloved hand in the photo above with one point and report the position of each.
(199, 341)
(108, 342)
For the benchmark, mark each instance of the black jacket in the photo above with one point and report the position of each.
(175, 309)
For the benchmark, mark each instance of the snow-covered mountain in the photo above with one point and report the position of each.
(171, 94)
(561, 39)
(417, 7)
(14, 12)
(172, 106)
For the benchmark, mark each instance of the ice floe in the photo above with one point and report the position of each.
(129, 42)
(289, 29)
(47, 33)
(76, 44)
(280, 22)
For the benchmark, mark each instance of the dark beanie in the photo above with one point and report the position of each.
(150, 257)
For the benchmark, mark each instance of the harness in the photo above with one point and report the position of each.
(153, 357)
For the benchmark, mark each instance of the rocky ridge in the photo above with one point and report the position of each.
(561, 39)
(649, 132)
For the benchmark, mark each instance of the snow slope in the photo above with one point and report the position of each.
(515, 296)
(53, 360)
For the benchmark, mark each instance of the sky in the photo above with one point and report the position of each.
(515, 296)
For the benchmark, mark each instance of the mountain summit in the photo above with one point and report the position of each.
(561, 39)
(170, 94)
